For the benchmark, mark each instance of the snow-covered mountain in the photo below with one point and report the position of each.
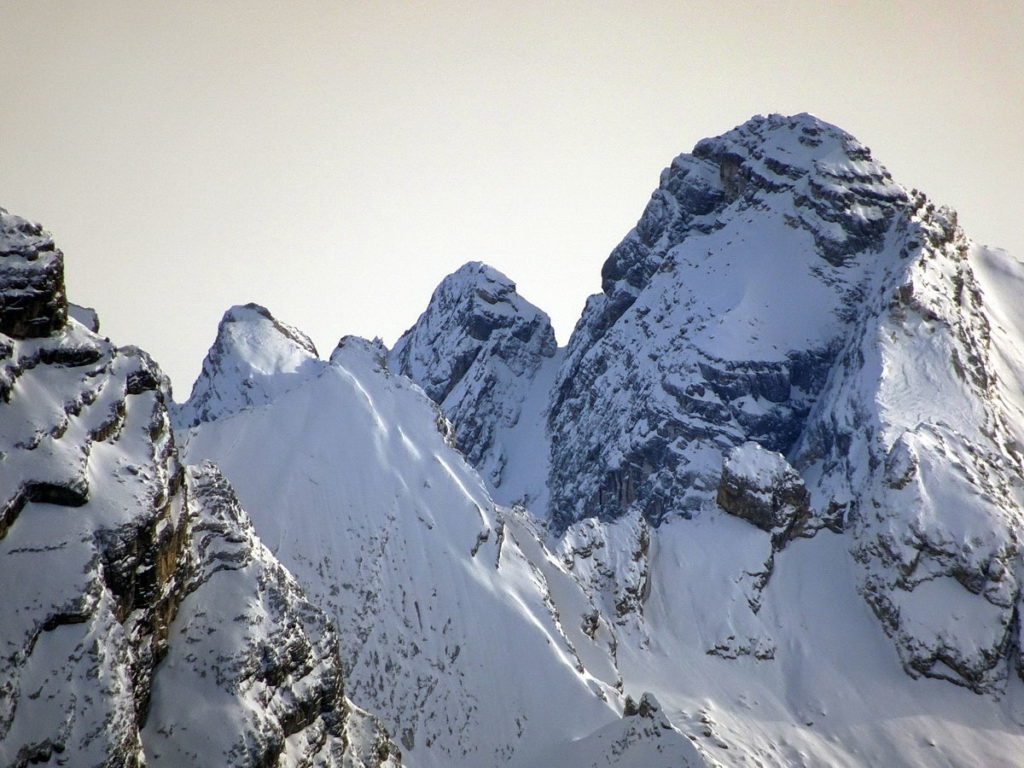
(765, 507)
(471, 351)
(444, 601)
(799, 374)
(141, 621)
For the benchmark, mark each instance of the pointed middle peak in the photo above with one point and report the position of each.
(254, 358)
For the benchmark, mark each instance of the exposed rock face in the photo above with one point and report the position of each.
(761, 487)
(781, 289)
(31, 280)
(473, 352)
(242, 368)
(102, 546)
(268, 674)
(612, 561)
(802, 389)
(720, 317)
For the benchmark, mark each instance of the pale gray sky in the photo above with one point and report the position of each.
(334, 160)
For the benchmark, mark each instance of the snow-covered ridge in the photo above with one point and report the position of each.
(458, 627)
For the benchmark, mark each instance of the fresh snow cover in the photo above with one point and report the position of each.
(644, 737)
(261, 356)
(720, 315)
(751, 461)
(765, 508)
(458, 627)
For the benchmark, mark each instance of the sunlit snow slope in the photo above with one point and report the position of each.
(457, 626)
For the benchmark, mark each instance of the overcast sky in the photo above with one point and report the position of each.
(334, 160)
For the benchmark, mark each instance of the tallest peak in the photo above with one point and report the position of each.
(790, 146)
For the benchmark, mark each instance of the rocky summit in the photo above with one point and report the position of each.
(764, 508)
(470, 350)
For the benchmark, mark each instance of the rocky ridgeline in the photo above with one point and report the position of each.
(108, 561)
(470, 351)
(790, 337)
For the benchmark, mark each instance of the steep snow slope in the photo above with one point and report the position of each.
(472, 350)
(457, 625)
(103, 544)
(261, 356)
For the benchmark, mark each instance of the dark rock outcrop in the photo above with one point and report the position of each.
(761, 487)
(32, 300)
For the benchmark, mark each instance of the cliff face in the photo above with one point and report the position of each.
(106, 551)
(720, 317)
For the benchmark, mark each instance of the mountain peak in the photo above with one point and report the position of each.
(725, 306)
(261, 327)
(472, 348)
(485, 300)
(254, 358)
(31, 280)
